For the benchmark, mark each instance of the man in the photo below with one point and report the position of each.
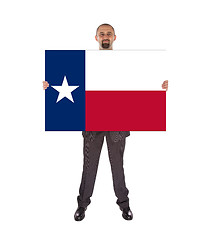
(93, 142)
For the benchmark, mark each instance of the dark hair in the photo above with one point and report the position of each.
(105, 24)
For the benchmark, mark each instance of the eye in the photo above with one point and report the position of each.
(101, 34)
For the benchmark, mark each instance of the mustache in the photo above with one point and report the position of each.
(106, 40)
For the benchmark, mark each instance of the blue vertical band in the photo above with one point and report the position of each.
(65, 115)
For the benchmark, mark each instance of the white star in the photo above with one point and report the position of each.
(65, 90)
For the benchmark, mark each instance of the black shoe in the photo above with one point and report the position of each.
(127, 213)
(80, 213)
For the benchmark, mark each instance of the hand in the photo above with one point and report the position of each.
(165, 85)
(45, 85)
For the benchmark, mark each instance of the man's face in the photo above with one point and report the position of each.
(105, 36)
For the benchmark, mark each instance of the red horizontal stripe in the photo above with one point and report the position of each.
(125, 110)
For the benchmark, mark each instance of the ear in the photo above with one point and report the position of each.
(114, 37)
(96, 38)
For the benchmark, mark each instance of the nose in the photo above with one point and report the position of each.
(105, 37)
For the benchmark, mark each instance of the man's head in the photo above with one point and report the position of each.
(105, 35)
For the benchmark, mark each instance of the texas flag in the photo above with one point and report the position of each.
(105, 90)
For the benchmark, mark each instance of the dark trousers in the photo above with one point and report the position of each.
(92, 150)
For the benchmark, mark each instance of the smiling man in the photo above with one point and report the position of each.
(105, 35)
(93, 142)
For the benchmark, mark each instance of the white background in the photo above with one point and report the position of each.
(167, 173)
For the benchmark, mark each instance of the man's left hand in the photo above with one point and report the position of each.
(165, 85)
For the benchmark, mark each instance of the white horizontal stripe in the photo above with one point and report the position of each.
(126, 70)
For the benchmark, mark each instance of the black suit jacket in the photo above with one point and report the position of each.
(115, 136)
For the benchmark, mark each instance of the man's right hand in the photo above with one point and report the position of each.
(45, 85)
